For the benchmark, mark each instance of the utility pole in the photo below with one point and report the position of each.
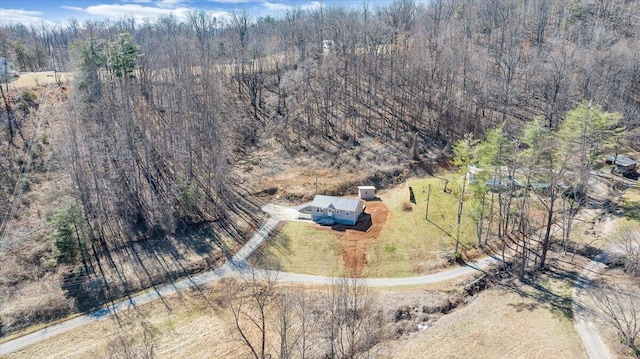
(426, 214)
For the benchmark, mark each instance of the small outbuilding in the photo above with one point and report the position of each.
(366, 192)
(331, 210)
(623, 165)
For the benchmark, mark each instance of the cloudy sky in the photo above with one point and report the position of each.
(30, 12)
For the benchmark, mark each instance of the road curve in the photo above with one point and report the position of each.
(236, 266)
(438, 277)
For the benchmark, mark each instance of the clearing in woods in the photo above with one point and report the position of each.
(37, 79)
(308, 248)
(400, 242)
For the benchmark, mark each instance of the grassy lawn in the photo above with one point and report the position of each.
(301, 247)
(631, 204)
(409, 244)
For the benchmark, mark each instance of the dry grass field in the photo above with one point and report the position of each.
(182, 326)
(37, 79)
(518, 322)
(512, 321)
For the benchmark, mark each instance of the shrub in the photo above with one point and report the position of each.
(191, 197)
(68, 239)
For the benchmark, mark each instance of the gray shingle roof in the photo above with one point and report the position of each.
(622, 161)
(345, 204)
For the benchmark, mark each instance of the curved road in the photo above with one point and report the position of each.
(236, 266)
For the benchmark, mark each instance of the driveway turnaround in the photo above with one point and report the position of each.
(236, 266)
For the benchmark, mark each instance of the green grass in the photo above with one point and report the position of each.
(631, 207)
(302, 247)
(408, 243)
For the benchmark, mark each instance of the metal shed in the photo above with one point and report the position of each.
(366, 192)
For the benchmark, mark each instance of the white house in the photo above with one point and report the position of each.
(327, 45)
(330, 210)
(366, 192)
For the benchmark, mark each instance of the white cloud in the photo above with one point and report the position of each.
(276, 6)
(232, 1)
(169, 3)
(284, 7)
(311, 5)
(139, 12)
(24, 17)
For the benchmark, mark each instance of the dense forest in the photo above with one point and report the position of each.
(162, 112)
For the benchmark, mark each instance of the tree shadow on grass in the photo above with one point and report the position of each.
(161, 258)
(269, 256)
(440, 228)
(541, 296)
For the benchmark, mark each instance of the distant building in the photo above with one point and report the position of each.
(366, 192)
(623, 165)
(330, 210)
(327, 45)
(505, 183)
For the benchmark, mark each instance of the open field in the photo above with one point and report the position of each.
(181, 326)
(508, 321)
(409, 244)
(299, 247)
(35, 79)
(505, 322)
(405, 244)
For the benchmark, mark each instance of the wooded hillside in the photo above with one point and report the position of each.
(161, 113)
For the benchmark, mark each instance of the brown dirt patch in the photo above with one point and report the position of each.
(355, 240)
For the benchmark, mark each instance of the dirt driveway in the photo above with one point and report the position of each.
(355, 240)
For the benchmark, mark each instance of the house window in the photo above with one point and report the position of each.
(338, 212)
(318, 209)
(347, 213)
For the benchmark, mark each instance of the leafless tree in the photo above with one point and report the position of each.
(285, 323)
(621, 308)
(349, 322)
(249, 300)
(629, 241)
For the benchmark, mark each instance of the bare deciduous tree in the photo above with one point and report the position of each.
(349, 319)
(622, 310)
(248, 299)
(629, 241)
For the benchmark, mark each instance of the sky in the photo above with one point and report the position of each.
(51, 12)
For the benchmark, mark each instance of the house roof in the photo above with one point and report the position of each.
(345, 204)
(367, 187)
(622, 161)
